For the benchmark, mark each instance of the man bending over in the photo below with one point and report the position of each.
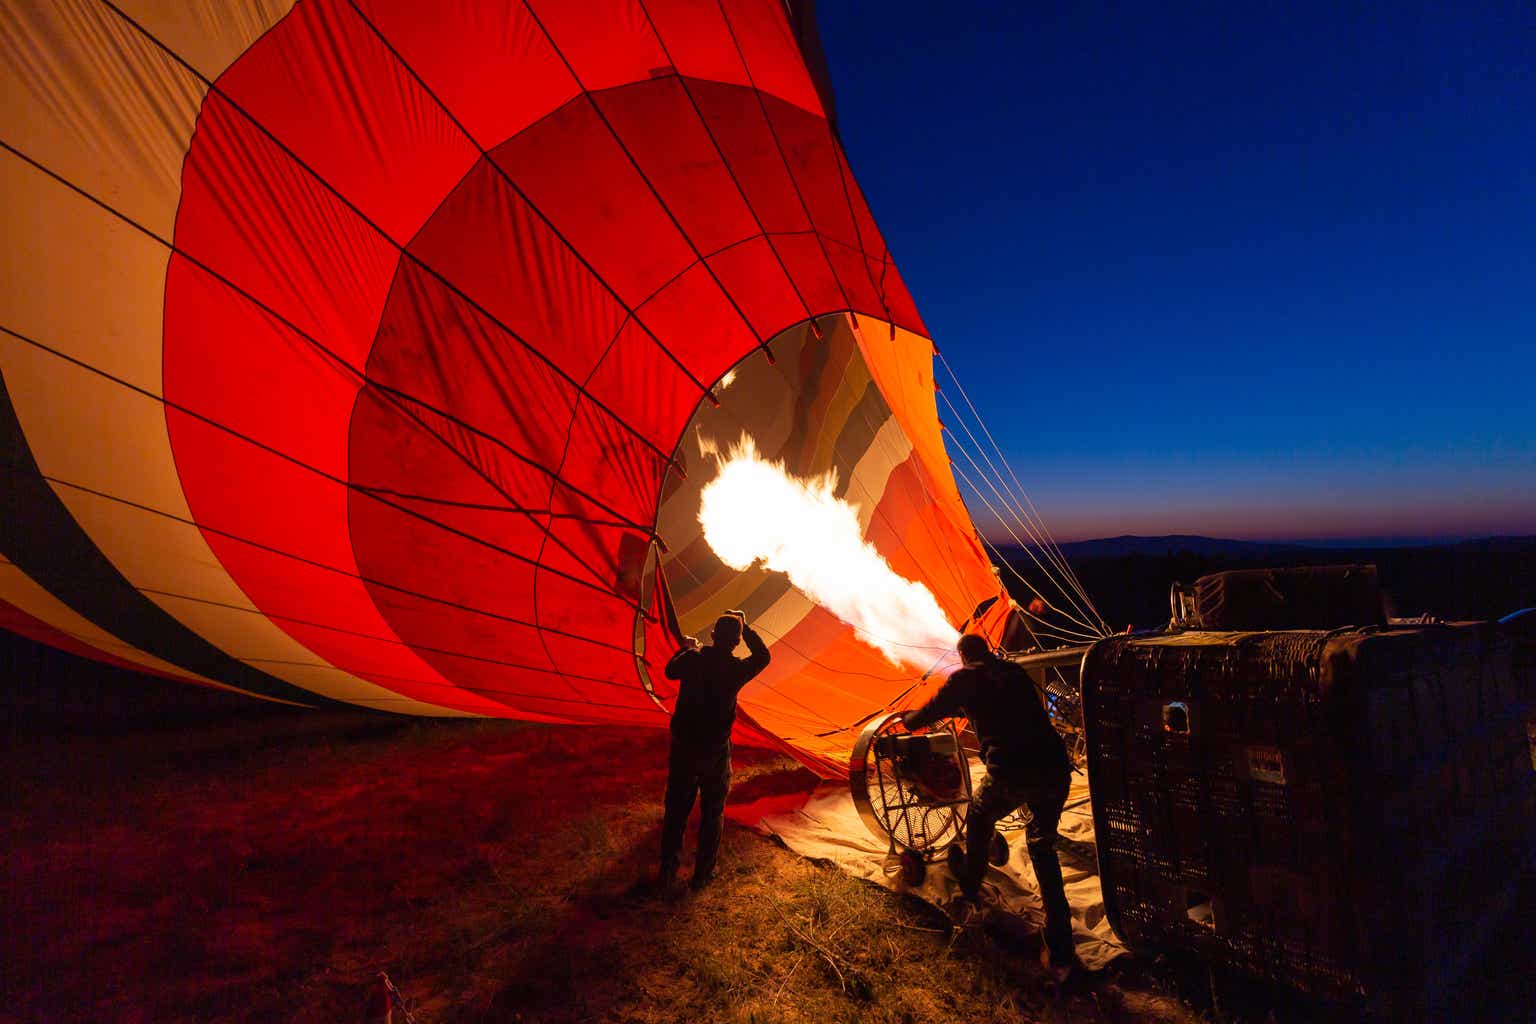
(1027, 765)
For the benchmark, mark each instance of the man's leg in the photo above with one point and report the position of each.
(993, 800)
(1045, 804)
(682, 786)
(714, 784)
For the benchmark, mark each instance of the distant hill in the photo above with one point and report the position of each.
(1115, 547)
(1219, 547)
(1128, 577)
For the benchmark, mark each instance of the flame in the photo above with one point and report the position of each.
(756, 511)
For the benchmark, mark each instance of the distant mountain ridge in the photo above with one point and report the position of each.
(1218, 547)
(1128, 577)
(1178, 543)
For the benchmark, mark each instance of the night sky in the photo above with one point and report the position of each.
(1247, 270)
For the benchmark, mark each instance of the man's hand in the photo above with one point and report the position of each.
(741, 617)
(690, 643)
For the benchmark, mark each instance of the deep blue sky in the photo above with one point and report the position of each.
(1242, 269)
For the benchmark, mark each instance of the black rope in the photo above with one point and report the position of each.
(401, 249)
(398, 399)
(486, 690)
(715, 143)
(296, 461)
(488, 507)
(395, 641)
(14, 469)
(335, 358)
(598, 110)
(545, 220)
(794, 183)
(858, 234)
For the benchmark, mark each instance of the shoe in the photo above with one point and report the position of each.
(701, 881)
(1060, 968)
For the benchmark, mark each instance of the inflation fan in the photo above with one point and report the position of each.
(914, 789)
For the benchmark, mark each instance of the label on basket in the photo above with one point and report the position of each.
(1266, 764)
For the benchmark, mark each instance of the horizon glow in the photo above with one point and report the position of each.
(1260, 273)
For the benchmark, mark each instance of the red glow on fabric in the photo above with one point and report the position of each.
(435, 459)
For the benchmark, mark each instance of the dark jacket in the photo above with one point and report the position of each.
(1017, 739)
(709, 680)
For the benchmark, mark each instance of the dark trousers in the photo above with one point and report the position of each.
(995, 799)
(705, 774)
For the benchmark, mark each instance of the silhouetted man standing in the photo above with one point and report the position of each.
(700, 763)
(1027, 765)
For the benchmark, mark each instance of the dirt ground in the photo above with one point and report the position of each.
(268, 870)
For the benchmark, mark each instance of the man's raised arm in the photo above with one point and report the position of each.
(757, 656)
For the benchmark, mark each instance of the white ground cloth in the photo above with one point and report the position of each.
(828, 827)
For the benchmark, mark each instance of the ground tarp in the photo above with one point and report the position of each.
(828, 827)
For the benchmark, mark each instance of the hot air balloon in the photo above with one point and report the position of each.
(379, 352)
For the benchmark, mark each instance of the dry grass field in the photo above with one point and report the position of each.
(266, 870)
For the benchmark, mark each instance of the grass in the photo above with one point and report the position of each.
(496, 871)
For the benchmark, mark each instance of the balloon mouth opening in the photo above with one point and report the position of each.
(780, 511)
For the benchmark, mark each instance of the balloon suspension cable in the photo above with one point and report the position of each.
(1067, 583)
(1016, 492)
(1092, 633)
(1030, 519)
(1018, 489)
(1080, 615)
(965, 478)
(1028, 549)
